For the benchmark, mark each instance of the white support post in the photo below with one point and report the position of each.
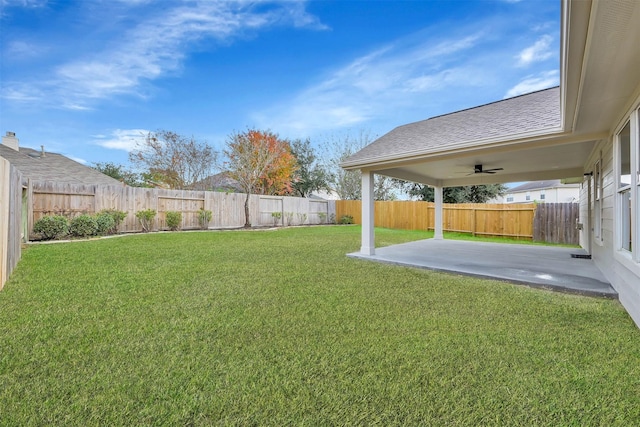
(437, 191)
(368, 239)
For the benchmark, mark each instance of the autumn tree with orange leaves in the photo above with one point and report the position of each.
(261, 162)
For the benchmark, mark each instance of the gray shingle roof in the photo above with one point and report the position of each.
(537, 112)
(53, 167)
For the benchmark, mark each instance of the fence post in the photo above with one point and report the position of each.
(473, 221)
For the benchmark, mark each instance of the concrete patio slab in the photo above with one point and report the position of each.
(548, 267)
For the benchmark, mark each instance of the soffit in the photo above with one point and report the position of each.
(611, 72)
(518, 163)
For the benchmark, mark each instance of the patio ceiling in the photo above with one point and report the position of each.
(522, 162)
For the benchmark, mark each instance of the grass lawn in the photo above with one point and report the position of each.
(281, 328)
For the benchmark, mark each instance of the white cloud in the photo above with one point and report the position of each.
(23, 3)
(78, 159)
(20, 49)
(122, 139)
(22, 93)
(396, 74)
(154, 47)
(446, 78)
(298, 15)
(544, 80)
(539, 51)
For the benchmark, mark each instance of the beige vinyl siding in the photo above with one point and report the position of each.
(625, 281)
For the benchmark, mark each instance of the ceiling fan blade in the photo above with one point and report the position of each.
(478, 169)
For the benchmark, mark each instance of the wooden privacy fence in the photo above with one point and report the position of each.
(22, 203)
(11, 200)
(52, 198)
(509, 220)
(557, 223)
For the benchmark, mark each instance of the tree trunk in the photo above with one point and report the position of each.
(247, 223)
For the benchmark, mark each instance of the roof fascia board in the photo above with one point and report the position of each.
(573, 84)
(564, 32)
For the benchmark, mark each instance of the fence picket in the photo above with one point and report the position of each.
(227, 209)
(554, 223)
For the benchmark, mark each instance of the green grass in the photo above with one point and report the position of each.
(281, 328)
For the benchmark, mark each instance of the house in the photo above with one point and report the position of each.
(549, 191)
(587, 129)
(39, 165)
(219, 182)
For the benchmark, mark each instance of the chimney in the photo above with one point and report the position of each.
(11, 141)
(42, 154)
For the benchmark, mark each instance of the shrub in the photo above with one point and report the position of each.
(174, 220)
(332, 218)
(105, 223)
(323, 217)
(346, 219)
(83, 226)
(302, 218)
(118, 217)
(276, 217)
(51, 227)
(288, 216)
(146, 219)
(204, 217)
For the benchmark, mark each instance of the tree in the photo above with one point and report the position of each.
(120, 173)
(310, 176)
(261, 163)
(348, 183)
(467, 194)
(173, 160)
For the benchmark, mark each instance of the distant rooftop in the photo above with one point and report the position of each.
(44, 166)
(541, 185)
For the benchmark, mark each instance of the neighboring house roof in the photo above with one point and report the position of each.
(218, 182)
(39, 166)
(541, 185)
(324, 195)
(536, 112)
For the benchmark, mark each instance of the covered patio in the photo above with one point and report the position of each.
(586, 130)
(549, 267)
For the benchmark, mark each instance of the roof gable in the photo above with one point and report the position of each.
(533, 113)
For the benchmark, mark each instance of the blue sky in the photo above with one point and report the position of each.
(87, 78)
